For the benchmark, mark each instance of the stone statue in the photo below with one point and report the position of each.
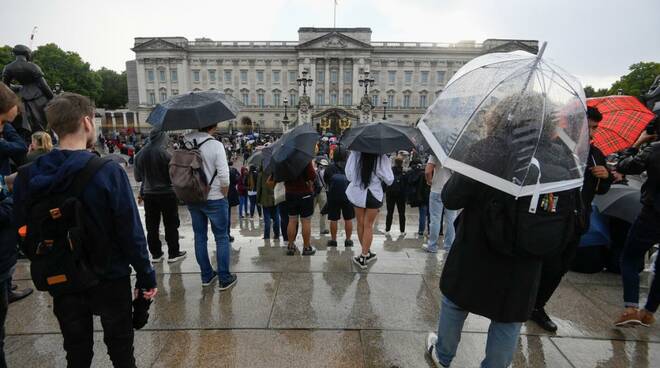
(32, 88)
(365, 110)
(652, 97)
(304, 107)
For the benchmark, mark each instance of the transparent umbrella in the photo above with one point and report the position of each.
(513, 121)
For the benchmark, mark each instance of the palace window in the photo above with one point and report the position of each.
(333, 99)
(163, 95)
(212, 75)
(390, 99)
(406, 100)
(245, 97)
(408, 77)
(196, 76)
(348, 98)
(320, 98)
(276, 98)
(161, 75)
(174, 76)
(227, 76)
(374, 100)
(260, 76)
(440, 76)
(150, 75)
(152, 97)
(293, 99)
(276, 76)
(292, 77)
(320, 76)
(348, 76)
(391, 76)
(244, 76)
(261, 100)
(333, 76)
(425, 77)
(423, 100)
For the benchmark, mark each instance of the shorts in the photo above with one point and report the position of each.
(337, 210)
(372, 202)
(300, 205)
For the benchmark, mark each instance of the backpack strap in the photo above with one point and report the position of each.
(86, 174)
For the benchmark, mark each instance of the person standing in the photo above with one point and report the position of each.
(214, 210)
(396, 196)
(252, 191)
(437, 176)
(320, 196)
(266, 199)
(41, 144)
(338, 204)
(232, 196)
(644, 232)
(108, 200)
(241, 187)
(597, 180)
(366, 173)
(152, 169)
(300, 204)
(418, 193)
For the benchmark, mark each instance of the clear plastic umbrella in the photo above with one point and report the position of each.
(513, 121)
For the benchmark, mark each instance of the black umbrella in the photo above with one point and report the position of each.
(194, 110)
(381, 137)
(621, 201)
(293, 152)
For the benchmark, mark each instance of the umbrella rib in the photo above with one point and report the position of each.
(562, 78)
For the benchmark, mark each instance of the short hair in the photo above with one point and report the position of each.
(8, 99)
(594, 114)
(64, 112)
(207, 129)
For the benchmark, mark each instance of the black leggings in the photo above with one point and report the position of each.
(400, 202)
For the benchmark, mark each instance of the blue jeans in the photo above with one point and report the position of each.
(500, 346)
(423, 220)
(271, 213)
(242, 205)
(643, 234)
(436, 208)
(253, 205)
(216, 211)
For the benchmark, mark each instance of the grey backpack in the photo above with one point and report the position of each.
(187, 174)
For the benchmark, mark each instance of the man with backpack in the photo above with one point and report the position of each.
(338, 204)
(209, 205)
(83, 234)
(152, 169)
(396, 196)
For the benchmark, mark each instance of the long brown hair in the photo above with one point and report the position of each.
(42, 140)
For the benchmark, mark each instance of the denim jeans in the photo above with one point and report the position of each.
(500, 346)
(242, 205)
(436, 208)
(423, 219)
(643, 234)
(217, 212)
(253, 205)
(271, 213)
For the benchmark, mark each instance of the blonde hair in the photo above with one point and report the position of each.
(42, 140)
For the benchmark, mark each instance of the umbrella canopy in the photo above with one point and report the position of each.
(381, 137)
(624, 119)
(621, 201)
(194, 110)
(293, 152)
(513, 121)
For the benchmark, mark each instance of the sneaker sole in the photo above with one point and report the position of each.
(157, 260)
(214, 279)
(229, 286)
(629, 323)
(176, 259)
(364, 267)
(371, 259)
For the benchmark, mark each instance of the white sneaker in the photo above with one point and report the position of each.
(431, 339)
(428, 249)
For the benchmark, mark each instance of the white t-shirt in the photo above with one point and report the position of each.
(215, 160)
(441, 175)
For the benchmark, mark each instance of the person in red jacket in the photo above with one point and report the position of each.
(241, 186)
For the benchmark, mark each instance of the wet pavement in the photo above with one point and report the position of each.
(322, 311)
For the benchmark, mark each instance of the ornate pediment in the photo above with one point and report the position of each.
(157, 44)
(334, 40)
(513, 45)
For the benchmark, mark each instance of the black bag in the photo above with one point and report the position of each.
(337, 188)
(512, 230)
(66, 248)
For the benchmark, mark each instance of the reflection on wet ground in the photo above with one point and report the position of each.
(321, 311)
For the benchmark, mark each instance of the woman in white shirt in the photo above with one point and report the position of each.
(366, 172)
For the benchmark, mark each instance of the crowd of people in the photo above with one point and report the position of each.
(72, 196)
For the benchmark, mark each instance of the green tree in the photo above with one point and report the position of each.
(638, 81)
(69, 70)
(114, 89)
(589, 91)
(6, 56)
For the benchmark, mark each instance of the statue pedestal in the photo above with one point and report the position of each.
(365, 110)
(304, 110)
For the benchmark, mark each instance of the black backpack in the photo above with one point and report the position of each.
(67, 250)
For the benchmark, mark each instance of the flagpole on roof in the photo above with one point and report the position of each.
(34, 31)
(334, 24)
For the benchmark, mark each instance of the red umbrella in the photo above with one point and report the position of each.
(624, 119)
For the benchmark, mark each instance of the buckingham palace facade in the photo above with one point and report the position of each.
(263, 74)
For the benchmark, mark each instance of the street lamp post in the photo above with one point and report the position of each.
(384, 109)
(304, 82)
(285, 120)
(366, 82)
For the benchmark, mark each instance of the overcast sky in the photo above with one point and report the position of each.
(594, 39)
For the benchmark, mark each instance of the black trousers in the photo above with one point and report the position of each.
(400, 202)
(112, 301)
(553, 270)
(4, 305)
(155, 206)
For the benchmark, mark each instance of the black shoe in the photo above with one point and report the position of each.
(15, 296)
(308, 251)
(541, 318)
(229, 284)
(325, 232)
(348, 243)
(332, 243)
(178, 257)
(231, 239)
(371, 257)
(360, 261)
(290, 250)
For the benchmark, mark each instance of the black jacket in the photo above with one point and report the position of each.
(647, 159)
(478, 277)
(8, 238)
(152, 165)
(593, 185)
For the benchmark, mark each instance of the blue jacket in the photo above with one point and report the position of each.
(109, 201)
(12, 146)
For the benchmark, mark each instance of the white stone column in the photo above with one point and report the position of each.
(357, 91)
(114, 121)
(142, 82)
(340, 77)
(326, 87)
(125, 122)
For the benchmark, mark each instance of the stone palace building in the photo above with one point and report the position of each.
(262, 74)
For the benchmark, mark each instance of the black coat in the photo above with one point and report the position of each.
(152, 165)
(476, 276)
